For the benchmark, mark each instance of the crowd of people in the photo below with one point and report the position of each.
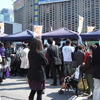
(40, 62)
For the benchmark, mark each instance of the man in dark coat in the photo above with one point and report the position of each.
(96, 73)
(52, 53)
(79, 56)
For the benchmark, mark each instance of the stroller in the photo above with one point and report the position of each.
(69, 83)
(73, 83)
(15, 65)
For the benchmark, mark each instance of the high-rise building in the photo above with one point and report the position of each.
(57, 13)
(1, 17)
(24, 13)
(7, 14)
(66, 14)
(4, 10)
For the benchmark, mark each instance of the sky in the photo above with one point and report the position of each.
(6, 4)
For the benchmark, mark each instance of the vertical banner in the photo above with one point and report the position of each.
(38, 31)
(2, 27)
(51, 28)
(90, 28)
(80, 27)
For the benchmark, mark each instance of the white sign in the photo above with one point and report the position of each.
(38, 31)
(1, 27)
(90, 28)
(80, 27)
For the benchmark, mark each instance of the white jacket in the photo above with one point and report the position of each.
(24, 59)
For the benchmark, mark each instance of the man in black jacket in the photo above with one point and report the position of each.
(53, 51)
(96, 73)
(79, 56)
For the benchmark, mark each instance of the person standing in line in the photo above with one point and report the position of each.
(36, 75)
(47, 67)
(88, 69)
(67, 58)
(53, 52)
(24, 60)
(4, 59)
(96, 45)
(79, 56)
(96, 73)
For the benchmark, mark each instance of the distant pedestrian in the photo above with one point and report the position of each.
(36, 74)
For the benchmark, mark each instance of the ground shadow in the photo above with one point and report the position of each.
(65, 96)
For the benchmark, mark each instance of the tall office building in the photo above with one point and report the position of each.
(66, 14)
(7, 14)
(24, 13)
(57, 14)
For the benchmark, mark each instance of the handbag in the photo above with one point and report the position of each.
(7, 72)
(77, 74)
(83, 84)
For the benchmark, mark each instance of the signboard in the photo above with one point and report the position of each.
(80, 27)
(1, 27)
(38, 31)
(90, 28)
(50, 1)
(18, 4)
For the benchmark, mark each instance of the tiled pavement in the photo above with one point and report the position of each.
(16, 88)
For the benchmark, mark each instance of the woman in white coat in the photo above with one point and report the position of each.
(24, 60)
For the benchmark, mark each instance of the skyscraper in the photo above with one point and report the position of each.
(24, 13)
(58, 14)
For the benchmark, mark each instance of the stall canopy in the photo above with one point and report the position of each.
(3, 34)
(95, 35)
(61, 33)
(26, 35)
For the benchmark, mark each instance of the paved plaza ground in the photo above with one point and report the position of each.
(16, 88)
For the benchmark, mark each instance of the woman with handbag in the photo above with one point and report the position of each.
(36, 74)
(88, 69)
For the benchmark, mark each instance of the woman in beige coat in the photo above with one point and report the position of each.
(24, 60)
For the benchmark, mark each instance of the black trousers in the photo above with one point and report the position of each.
(55, 68)
(23, 71)
(47, 70)
(39, 94)
(0, 79)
